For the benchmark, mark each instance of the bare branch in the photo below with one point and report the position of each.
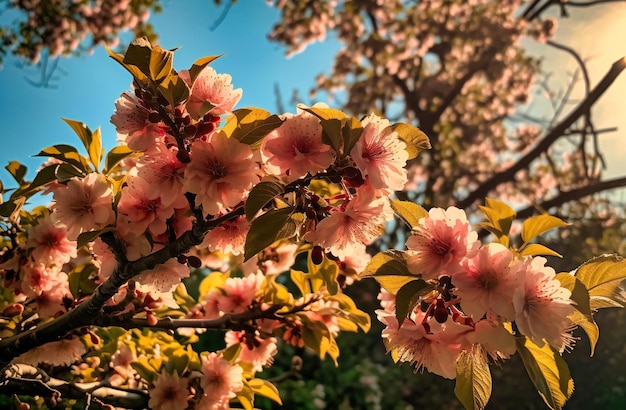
(555, 133)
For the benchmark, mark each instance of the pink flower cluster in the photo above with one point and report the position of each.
(479, 289)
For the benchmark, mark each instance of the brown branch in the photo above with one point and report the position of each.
(552, 135)
(85, 312)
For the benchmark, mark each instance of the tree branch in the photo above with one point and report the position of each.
(554, 134)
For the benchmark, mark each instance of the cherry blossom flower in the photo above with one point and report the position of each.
(132, 124)
(261, 354)
(493, 338)
(62, 352)
(431, 345)
(220, 380)
(221, 172)
(295, 148)
(169, 392)
(38, 278)
(163, 173)
(440, 242)
(277, 258)
(542, 306)
(229, 237)
(120, 363)
(381, 155)
(51, 302)
(488, 282)
(213, 89)
(162, 278)
(344, 232)
(138, 212)
(84, 204)
(49, 242)
(238, 293)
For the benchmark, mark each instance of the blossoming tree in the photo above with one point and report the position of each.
(272, 214)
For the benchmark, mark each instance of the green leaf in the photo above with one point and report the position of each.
(351, 132)
(79, 280)
(590, 328)
(174, 89)
(116, 155)
(580, 294)
(602, 276)
(87, 237)
(332, 121)
(268, 228)
(410, 213)
(539, 224)
(533, 249)
(265, 388)
(11, 209)
(390, 270)
(43, 177)
(260, 195)
(95, 150)
(198, 66)
(327, 271)
(414, 138)
(548, 372)
(145, 369)
(67, 154)
(249, 125)
(473, 378)
(17, 171)
(81, 129)
(152, 60)
(245, 398)
(409, 296)
(65, 172)
(500, 216)
(133, 70)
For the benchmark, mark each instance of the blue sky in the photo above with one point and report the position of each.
(31, 116)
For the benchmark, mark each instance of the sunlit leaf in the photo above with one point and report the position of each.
(539, 224)
(332, 121)
(351, 132)
(580, 294)
(65, 172)
(390, 270)
(81, 282)
(533, 249)
(327, 271)
(133, 70)
(260, 195)
(67, 154)
(409, 212)
(265, 388)
(548, 372)
(473, 378)
(249, 125)
(409, 296)
(17, 171)
(95, 150)
(87, 237)
(81, 129)
(174, 89)
(603, 276)
(415, 139)
(500, 215)
(198, 66)
(589, 327)
(116, 155)
(268, 228)
(152, 60)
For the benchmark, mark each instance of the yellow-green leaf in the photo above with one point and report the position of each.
(265, 388)
(174, 89)
(116, 155)
(409, 296)
(590, 328)
(268, 228)
(134, 71)
(539, 224)
(414, 138)
(260, 195)
(580, 294)
(198, 66)
(95, 150)
(17, 171)
(327, 271)
(152, 60)
(533, 249)
(603, 276)
(351, 132)
(249, 125)
(67, 154)
(500, 216)
(473, 378)
(81, 129)
(410, 213)
(548, 372)
(332, 121)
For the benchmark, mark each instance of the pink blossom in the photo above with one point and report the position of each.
(62, 352)
(220, 380)
(50, 302)
(120, 363)
(162, 278)
(221, 173)
(440, 242)
(132, 125)
(169, 392)
(488, 282)
(84, 204)
(431, 345)
(295, 148)
(49, 242)
(542, 306)
(229, 237)
(138, 212)
(345, 232)
(494, 339)
(259, 352)
(38, 278)
(213, 89)
(381, 155)
(277, 258)
(163, 173)
(238, 293)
